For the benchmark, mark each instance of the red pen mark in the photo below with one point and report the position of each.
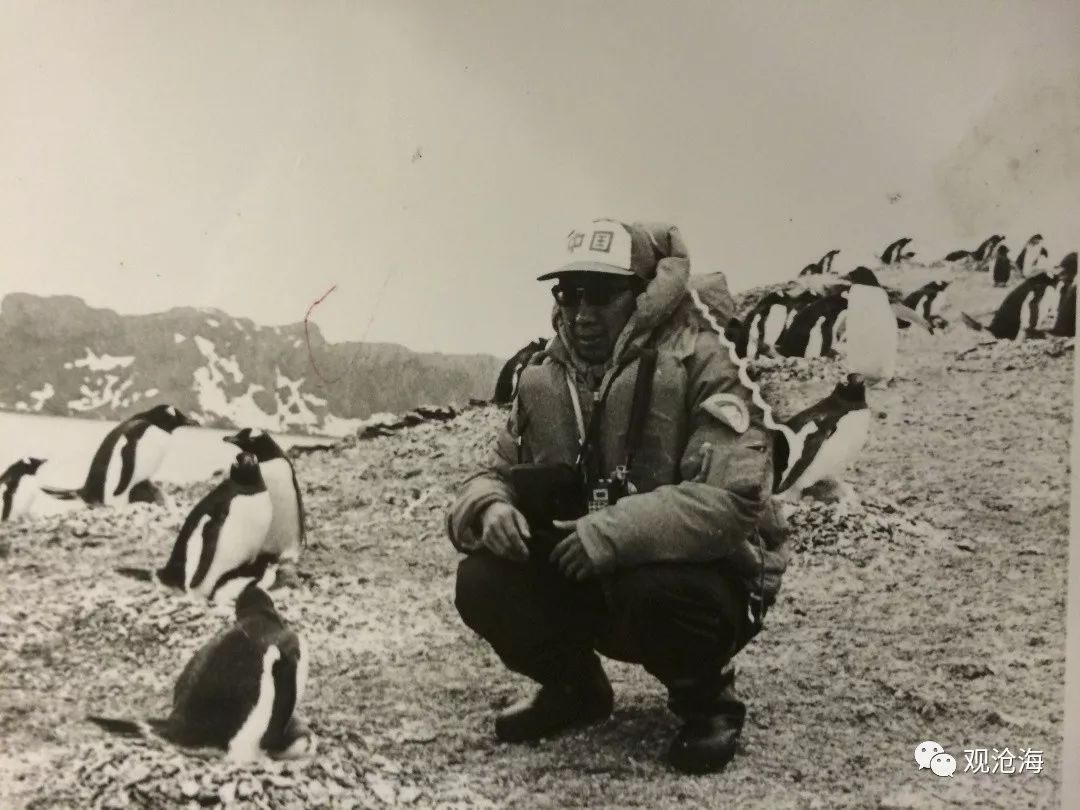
(307, 336)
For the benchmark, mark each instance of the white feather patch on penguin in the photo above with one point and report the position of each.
(837, 451)
(244, 746)
(774, 323)
(284, 535)
(302, 667)
(149, 453)
(193, 552)
(113, 472)
(26, 492)
(729, 409)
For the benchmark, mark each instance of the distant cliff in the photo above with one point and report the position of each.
(64, 358)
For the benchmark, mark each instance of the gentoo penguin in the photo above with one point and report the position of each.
(765, 323)
(239, 692)
(1026, 260)
(927, 301)
(812, 331)
(287, 527)
(506, 385)
(894, 253)
(221, 545)
(1018, 313)
(832, 433)
(129, 454)
(986, 249)
(1065, 325)
(959, 255)
(1067, 268)
(19, 487)
(871, 328)
(822, 265)
(1002, 266)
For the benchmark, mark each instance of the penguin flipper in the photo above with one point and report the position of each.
(911, 316)
(62, 493)
(300, 516)
(811, 445)
(972, 323)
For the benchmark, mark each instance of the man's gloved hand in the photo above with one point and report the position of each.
(505, 531)
(570, 556)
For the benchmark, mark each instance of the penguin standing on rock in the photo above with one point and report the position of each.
(928, 301)
(130, 454)
(287, 530)
(222, 543)
(239, 692)
(829, 435)
(19, 488)
(821, 266)
(765, 324)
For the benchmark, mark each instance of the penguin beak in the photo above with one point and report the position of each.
(234, 439)
(909, 315)
(187, 421)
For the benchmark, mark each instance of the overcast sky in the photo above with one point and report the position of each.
(428, 158)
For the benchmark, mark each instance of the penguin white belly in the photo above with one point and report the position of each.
(839, 450)
(1025, 315)
(26, 493)
(774, 323)
(752, 338)
(112, 474)
(815, 340)
(149, 453)
(1048, 307)
(245, 744)
(240, 539)
(937, 305)
(284, 536)
(871, 333)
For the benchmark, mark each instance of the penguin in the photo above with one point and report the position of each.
(986, 249)
(871, 328)
(832, 432)
(221, 544)
(821, 266)
(1002, 266)
(813, 329)
(1018, 313)
(927, 301)
(506, 384)
(1049, 302)
(765, 323)
(1029, 255)
(287, 530)
(129, 454)
(239, 692)
(1067, 268)
(19, 488)
(894, 253)
(1065, 325)
(959, 255)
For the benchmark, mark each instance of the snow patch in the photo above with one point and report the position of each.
(291, 407)
(215, 363)
(318, 402)
(297, 343)
(151, 392)
(42, 396)
(103, 363)
(108, 394)
(178, 338)
(69, 365)
(339, 426)
(213, 323)
(21, 406)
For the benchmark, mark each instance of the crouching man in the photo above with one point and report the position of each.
(627, 509)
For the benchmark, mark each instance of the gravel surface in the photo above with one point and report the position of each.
(932, 609)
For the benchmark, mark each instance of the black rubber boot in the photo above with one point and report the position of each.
(712, 722)
(583, 698)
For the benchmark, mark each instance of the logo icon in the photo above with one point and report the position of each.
(926, 752)
(943, 764)
(601, 241)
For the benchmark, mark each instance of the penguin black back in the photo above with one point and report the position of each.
(1019, 311)
(505, 386)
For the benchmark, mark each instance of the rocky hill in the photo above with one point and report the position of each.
(64, 358)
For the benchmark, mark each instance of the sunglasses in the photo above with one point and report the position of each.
(596, 295)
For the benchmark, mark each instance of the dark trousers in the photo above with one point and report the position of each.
(682, 622)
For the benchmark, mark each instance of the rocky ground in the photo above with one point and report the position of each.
(934, 610)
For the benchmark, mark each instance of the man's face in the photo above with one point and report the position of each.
(595, 308)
